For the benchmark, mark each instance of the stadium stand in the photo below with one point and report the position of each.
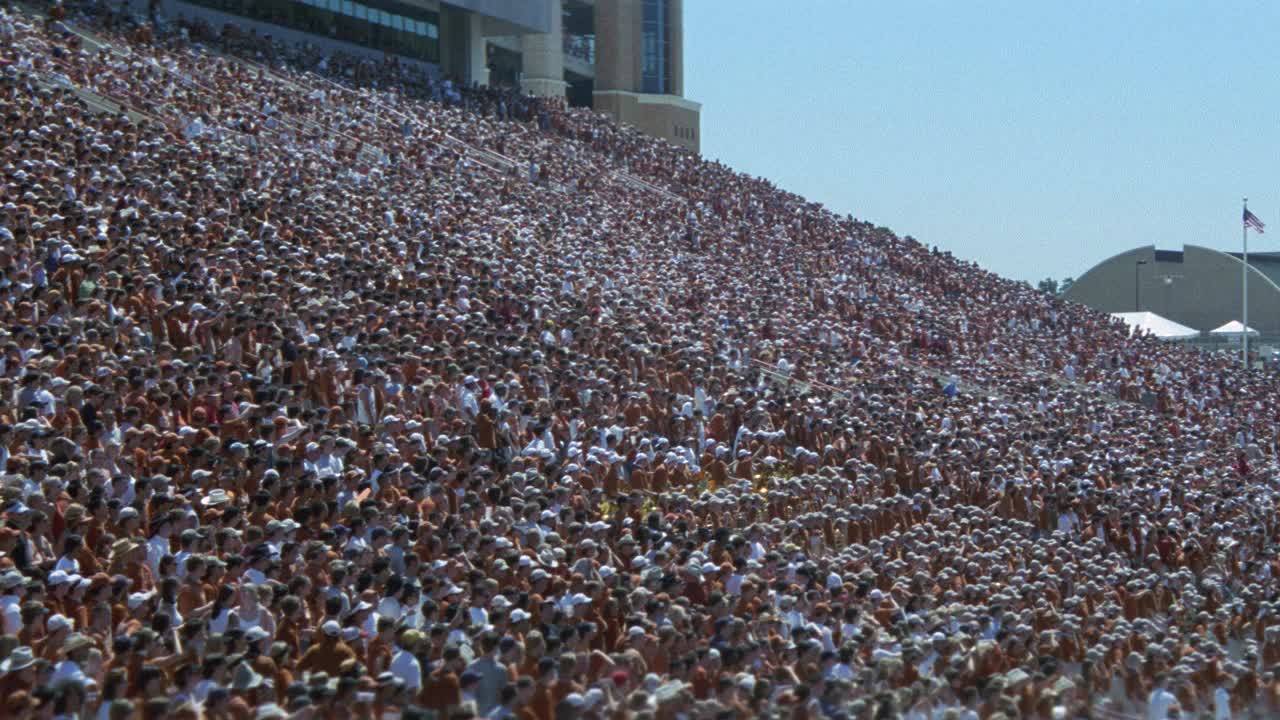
(328, 389)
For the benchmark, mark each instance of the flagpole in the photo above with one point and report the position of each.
(1244, 284)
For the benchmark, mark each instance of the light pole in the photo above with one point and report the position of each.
(1137, 305)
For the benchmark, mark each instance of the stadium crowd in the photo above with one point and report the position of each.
(309, 409)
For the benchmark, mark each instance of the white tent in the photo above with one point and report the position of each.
(1155, 325)
(1234, 329)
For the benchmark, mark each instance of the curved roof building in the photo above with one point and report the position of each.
(1196, 286)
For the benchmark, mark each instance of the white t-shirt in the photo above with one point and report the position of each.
(406, 667)
(11, 610)
(1221, 704)
(1158, 704)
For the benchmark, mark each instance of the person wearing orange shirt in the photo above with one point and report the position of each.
(542, 702)
(378, 653)
(440, 689)
(329, 652)
(526, 691)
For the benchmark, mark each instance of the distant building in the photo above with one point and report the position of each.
(623, 57)
(1196, 286)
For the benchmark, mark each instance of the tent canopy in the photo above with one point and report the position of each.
(1234, 328)
(1155, 325)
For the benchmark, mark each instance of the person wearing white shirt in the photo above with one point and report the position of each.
(186, 541)
(543, 442)
(842, 670)
(389, 607)
(396, 550)
(1222, 699)
(733, 586)
(255, 576)
(403, 663)
(938, 643)
(357, 541)
(11, 584)
(467, 400)
(850, 628)
(1160, 701)
(791, 618)
(195, 128)
(158, 546)
(459, 637)
(495, 398)
(76, 650)
(413, 617)
(68, 564)
(990, 627)
(123, 488)
(925, 666)
(366, 404)
(201, 693)
(323, 461)
(334, 591)
(479, 616)
(757, 547)
(328, 465)
(1068, 523)
(825, 636)
(334, 454)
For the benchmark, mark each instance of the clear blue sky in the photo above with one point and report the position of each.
(1035, 137)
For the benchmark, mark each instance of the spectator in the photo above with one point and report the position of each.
(331, 386)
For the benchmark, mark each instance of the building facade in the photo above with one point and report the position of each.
(640, 68)
(622, 57)
(1197, 286)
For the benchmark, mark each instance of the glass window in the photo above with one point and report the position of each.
(655, 30)
(401, 28)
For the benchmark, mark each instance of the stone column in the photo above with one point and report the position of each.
(543, 59)
(617, 26)
(477, 50)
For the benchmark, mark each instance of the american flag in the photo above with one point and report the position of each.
(1252, 221)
